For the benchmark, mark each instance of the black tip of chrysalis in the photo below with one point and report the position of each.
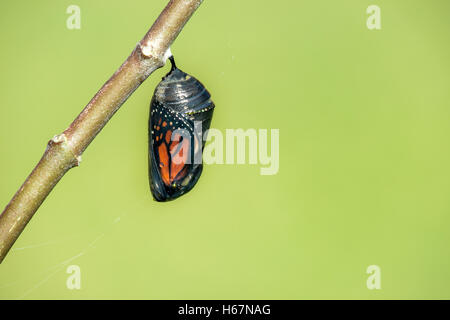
(172, 68)
(180, 103)
(172, 61)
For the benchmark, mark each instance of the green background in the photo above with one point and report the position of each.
(364, 179)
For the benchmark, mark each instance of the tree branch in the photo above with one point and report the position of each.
(64, 150)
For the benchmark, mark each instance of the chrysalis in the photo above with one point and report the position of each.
(180, 112)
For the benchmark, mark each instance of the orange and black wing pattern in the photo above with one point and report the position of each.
(172, 153)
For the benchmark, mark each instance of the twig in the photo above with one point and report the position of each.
(64, 150)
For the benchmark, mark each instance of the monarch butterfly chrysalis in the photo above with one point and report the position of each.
(180, 112)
